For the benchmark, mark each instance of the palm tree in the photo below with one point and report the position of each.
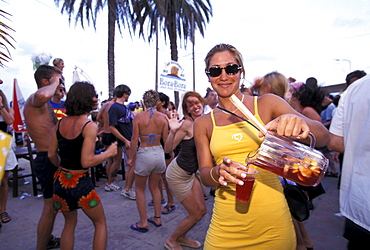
(5, 40)
(176, 18)
(126, 13)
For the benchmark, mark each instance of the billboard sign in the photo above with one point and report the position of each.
(172, 78)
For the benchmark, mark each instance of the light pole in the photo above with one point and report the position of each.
(346, 60)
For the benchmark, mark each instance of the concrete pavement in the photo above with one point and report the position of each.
(323, 226)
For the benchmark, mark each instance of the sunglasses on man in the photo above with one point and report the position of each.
(232, 69)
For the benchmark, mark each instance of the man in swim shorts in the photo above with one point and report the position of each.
(40, 121)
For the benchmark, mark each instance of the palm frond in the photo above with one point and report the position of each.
(175, 16)
(5, 39)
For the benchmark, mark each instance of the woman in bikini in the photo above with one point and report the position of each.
(182, 175)
(149, 127)
(75, 138)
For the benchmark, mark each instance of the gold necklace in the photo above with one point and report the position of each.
(236, 108)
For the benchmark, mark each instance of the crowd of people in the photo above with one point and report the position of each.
(184, 154)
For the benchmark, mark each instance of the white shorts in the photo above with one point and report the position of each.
(150, 160)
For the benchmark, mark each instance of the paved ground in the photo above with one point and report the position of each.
(324, 227)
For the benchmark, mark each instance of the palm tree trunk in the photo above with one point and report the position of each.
(173, 46)
(112, 11)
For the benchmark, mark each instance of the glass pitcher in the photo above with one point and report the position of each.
(290, 159)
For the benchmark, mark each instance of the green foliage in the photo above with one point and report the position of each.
(5, 39)
(126, 13)
(175, 16)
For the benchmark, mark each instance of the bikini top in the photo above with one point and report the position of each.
(151, 138)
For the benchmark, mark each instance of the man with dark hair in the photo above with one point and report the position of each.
(120, 123)
(40, 121)
(211, 100)
(354, 75)
(139, 109)
(162, 107)
(58, 104)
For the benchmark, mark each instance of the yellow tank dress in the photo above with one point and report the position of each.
(262, 223)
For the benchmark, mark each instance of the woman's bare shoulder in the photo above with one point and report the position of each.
(203, 122)
(270, 98)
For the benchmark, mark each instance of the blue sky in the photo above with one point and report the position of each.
(299, 38)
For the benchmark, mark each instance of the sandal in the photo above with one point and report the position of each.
(168, 247)
(168, 209)
(5, 218)
(153, 222)
(191, 244)
(136, 227)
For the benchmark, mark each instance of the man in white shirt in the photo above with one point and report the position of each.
(349, 133)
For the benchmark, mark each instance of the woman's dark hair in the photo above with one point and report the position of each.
(310, 95)
(164, 98)
(173, 105)
(80, 99)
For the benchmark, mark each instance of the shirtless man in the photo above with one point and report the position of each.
(108, 138)
(40, 121)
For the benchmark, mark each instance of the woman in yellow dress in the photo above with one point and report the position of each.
(223, 142)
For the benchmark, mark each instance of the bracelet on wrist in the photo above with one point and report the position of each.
(210, 173)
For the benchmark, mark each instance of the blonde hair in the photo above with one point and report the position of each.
(277, 82)
(225, 47)
(56, 61)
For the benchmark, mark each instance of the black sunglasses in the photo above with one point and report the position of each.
(230, 70)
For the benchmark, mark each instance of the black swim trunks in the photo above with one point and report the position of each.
(108, 139)
(44, 171)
